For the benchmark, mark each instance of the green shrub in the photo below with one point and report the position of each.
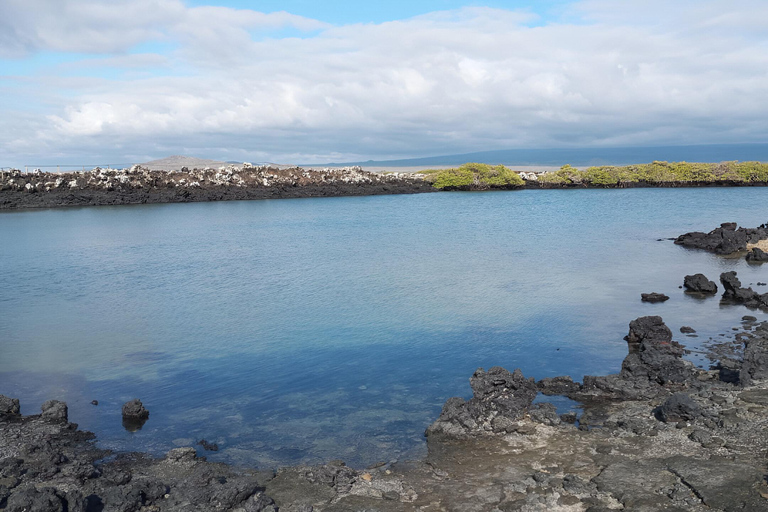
(475, 176)
(452, 178)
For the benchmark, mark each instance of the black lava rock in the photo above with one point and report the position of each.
(699, 283)
(678, 407)
(55, 411)
(653, 297)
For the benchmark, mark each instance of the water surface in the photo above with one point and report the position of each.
(305, 330)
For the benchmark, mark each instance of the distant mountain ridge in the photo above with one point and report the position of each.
(583, 156)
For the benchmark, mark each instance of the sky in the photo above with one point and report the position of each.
(97, 82)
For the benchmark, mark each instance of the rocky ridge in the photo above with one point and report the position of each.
(142, 185)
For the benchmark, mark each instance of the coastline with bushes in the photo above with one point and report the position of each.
(141, 185)
(475, 176)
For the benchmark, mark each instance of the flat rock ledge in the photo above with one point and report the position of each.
(140, 185)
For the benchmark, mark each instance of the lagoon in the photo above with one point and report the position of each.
(305, 330)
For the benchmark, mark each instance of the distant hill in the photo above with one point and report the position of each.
(582, 156)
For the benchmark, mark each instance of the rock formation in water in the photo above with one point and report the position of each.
(727, 239)
(653, 297)
(699, 283)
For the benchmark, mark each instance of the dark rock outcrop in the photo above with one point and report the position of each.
(653, 297)
(678, 407)
(755, 364)
(497, 394)
(654, 362)
(9, 406)
(545, 413)
(56, 411)
(560, 385)
(134, 409)
(652, 353)
(727, 239)
(747, 296)
(757, 255)
(699, 283)
(134, 415)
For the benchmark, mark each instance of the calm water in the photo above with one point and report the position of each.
(306, 330)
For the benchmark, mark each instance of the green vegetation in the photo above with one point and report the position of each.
(660, 173)
(473, 176)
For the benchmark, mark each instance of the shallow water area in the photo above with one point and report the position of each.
(305, 330)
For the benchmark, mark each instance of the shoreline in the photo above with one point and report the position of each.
(138, 185)
(659, 435)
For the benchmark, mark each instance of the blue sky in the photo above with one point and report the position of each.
(345, 12)
(85, 81)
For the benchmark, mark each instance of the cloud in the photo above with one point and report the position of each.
(462, 80)
(95, 26)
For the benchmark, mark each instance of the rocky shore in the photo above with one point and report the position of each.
(139, 185)
(662, 434)
(142, 185)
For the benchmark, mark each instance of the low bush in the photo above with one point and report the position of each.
(474, 176)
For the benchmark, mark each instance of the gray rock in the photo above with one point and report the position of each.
(653, 297)
(55, 411)
(687, 330)
(557, 385)
(31, 499)
(755, 364)
(726, 239)
(496, 392)
(638, 484)
(545, 413)
(260, 502)
(721, 484)
(9, 406)
(747, 296)
(699, 283)
(678, 407)
(134, 409)
(756, 255)
(652, 353)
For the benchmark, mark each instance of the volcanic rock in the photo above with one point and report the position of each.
(678, 407)
(9, 406)
(756, 255)
(653, 297)
(497, 393)
(56, 411)
(699, 283)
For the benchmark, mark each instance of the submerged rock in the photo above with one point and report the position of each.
(497, 394)
(653, 297)
(699, 283)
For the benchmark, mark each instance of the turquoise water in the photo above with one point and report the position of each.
(305, 330)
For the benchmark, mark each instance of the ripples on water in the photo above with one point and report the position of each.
(305, 330)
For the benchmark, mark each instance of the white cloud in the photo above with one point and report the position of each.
(470, 79)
